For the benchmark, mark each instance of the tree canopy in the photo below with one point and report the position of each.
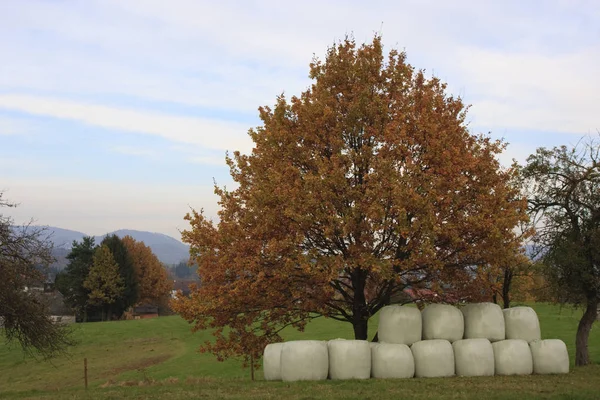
(70, 281)
(564, 198)
(104, 282)
(150, 273)
(24, 253)
(129, 296)
(93, 289)
(367, 183)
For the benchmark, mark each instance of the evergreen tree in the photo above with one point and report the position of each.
(183, 270)
(70, 281)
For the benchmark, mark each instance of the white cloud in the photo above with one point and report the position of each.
(522, 66)
(212, 134)
(554, 93)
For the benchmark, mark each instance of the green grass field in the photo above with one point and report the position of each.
(158, 358)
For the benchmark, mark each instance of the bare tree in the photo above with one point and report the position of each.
(24, 254)
(564, 196)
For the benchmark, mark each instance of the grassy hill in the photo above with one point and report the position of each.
(158, 358)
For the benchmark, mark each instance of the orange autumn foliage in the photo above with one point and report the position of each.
(151, 275)
(367, 183)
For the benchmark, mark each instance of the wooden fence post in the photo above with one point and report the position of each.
(85, 372)
(252, 366)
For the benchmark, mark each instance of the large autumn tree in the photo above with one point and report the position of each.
(151, 276)
(365, 184)
(564, 198)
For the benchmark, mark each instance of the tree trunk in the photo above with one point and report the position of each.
(361, 329)
(582, 355)
(495, 298)
(360, 313)
(508, 276)
(506, 301)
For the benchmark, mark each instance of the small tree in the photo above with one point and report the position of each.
(564, 196)
(184, 271)
(24, 253)
(129, 295)
(367, 183)
(515, 271)
(104, 282)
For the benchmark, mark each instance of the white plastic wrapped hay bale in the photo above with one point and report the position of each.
(442, 321)
(304, 360)
(433, 358)
(349, 359)
(522, 323)
(473, 357)
(391, 360)
(484, 321)
(512, 357)
(550, 356)
(398, 324)
(272, 362)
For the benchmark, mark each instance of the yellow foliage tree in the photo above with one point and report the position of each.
(153, 281)
(367, 183)
(104, 281)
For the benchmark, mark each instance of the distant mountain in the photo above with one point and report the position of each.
(60, 258)
(61, 237)
(168, 250)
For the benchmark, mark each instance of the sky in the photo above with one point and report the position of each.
(118, 114)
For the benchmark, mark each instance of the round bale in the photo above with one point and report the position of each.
(484, 321)
(473, 357)
(522, 323)
(349, 359)
(442, 321)
(272, 362)
(433, 358)
(391, 360)
(398, 324)
(550, 356)
(512, 357)
(304, 360)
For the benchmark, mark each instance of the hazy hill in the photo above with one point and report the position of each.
(168, 250)
(62, 237)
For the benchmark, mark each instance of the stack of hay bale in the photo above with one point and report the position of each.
(477, 340)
